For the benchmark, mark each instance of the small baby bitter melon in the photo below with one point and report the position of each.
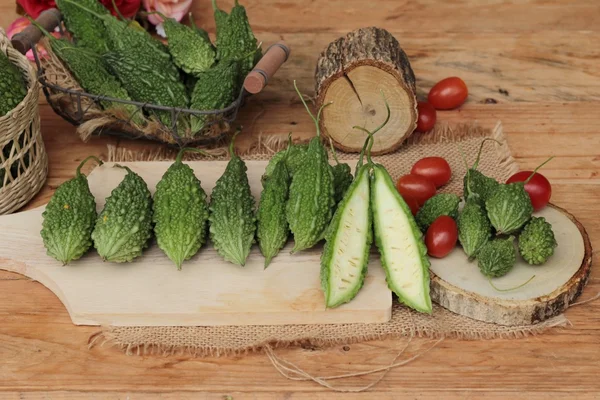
(231, 212)
(272, 227)
(124, 226)
(180, 212)
(69, 218)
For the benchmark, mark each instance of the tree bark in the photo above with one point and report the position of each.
(352, 72)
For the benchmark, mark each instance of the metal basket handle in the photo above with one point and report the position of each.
(24, 40)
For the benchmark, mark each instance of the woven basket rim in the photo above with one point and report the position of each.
(33, 86)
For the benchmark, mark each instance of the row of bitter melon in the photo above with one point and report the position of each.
(116, 58)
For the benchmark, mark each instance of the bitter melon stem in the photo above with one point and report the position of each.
(370, 134)
(318, 118)
(179, 157)
(509, 289)
(476, 164)
(114, 4)
(99, 161)
(231, 150)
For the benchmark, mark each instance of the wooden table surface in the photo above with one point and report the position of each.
(538, 59)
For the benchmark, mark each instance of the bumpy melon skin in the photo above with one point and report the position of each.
(310, 204)
(357, 258)
(124, 226)
(180, 213)
(272, 229)
(383, 189)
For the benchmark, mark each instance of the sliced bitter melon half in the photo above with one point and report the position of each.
(400, 243)
(348, 241)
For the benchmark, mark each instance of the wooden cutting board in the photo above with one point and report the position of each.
(207, 291)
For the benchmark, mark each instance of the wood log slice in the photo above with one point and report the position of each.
(457, 284)
(351, 73)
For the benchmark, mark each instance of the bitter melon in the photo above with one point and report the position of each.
(191, 51)
(311, 201)
(127, 37)
(124, 226)
(180, 212)
(272, 227)
(88, 30)
(400, 242)
(215, 89)
(348, 239)
(69, 218)
(342, 176)
(89, 71)
(147, 84)
(293, 159)
(232, 219)
(235, 37)
(12, 85)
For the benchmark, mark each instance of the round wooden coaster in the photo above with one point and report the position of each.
(457, 284)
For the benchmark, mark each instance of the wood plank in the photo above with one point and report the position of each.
(412, 15)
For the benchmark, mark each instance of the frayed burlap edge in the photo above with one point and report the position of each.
(109, 336)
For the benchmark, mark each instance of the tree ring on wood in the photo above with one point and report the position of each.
(352, 73)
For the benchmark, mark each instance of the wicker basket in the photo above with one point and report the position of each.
(26, 164)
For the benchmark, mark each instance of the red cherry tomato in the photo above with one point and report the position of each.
(448, 93)
(412, 204)
(441, 237)
(427, 117)
(538, 188)
(416, 187)
(435, 169)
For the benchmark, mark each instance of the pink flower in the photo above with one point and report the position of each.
(176, 9)
(17, 26)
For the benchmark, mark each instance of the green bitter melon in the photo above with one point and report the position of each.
(272, 227)
(232, 219)
(124, 226)
(12, 85)
(310, 204)
(400, 242)
(90, 72)
(69, 218)
(235, 37)
(180, 212)
(191, 51)
(345, 257)
(88, 30)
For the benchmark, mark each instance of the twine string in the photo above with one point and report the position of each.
(292, 371)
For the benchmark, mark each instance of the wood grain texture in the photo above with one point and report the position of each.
(207, 291)
(543, 54)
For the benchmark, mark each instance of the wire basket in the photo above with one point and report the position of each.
(83, 109)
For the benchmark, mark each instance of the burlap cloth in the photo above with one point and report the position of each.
(496, 161)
